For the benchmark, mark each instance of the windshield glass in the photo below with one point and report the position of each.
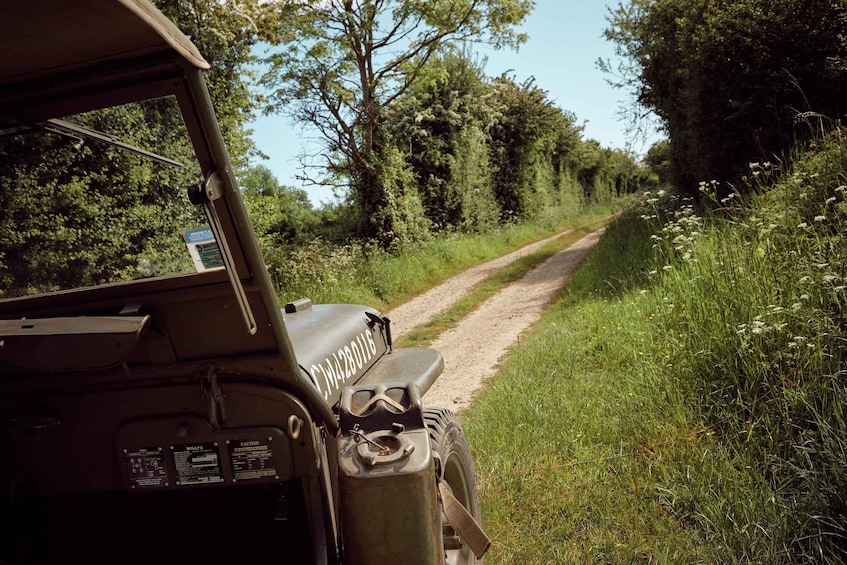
(96, 198)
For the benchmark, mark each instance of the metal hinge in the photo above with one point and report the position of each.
(212, 392)
(204, 195)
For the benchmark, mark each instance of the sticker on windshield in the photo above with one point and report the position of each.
(203, 249)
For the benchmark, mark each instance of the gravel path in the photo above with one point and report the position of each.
(425, 307)
(475, 346)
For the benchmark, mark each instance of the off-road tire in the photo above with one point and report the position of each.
(448, 441)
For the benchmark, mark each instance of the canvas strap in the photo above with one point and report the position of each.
(461, 520)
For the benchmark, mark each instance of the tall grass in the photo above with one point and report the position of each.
(684, 400)
(572, 436)
(754, 310)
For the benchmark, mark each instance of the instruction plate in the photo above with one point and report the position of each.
(252, 459)
(197, 464)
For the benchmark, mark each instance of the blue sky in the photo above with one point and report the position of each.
(565, 41)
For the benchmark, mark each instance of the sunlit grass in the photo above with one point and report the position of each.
(570, 436)
(685, 400)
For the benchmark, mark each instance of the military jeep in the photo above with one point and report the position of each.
(157, 402)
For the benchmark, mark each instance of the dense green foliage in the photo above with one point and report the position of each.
(225, 32)
(417, 138)
(530, 143)
(732, 81)
(341, 63)
(77, 212)
(442, 123)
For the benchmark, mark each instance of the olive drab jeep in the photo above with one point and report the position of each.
(157, 403)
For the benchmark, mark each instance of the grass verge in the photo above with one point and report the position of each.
(684, 401)
(569, 436)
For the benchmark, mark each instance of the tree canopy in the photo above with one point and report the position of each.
(225, 33)
(732, 81)
(339, 63)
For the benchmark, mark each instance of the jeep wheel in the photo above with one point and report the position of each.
(448, 441)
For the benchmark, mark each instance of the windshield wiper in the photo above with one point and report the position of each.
(63, 127)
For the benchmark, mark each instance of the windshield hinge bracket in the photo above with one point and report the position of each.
(204, 195)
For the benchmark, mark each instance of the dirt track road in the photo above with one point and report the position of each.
(475, 346)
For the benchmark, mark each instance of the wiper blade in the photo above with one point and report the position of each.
(63, 127)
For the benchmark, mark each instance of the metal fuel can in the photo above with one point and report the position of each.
(387, 483)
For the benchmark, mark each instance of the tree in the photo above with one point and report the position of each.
(731, 80)
(529, 137)
(225, 33)
(657, 161)
(339, 63)
(279, 214)
(442, 123)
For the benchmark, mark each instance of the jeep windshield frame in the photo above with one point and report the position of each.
(196, 320)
